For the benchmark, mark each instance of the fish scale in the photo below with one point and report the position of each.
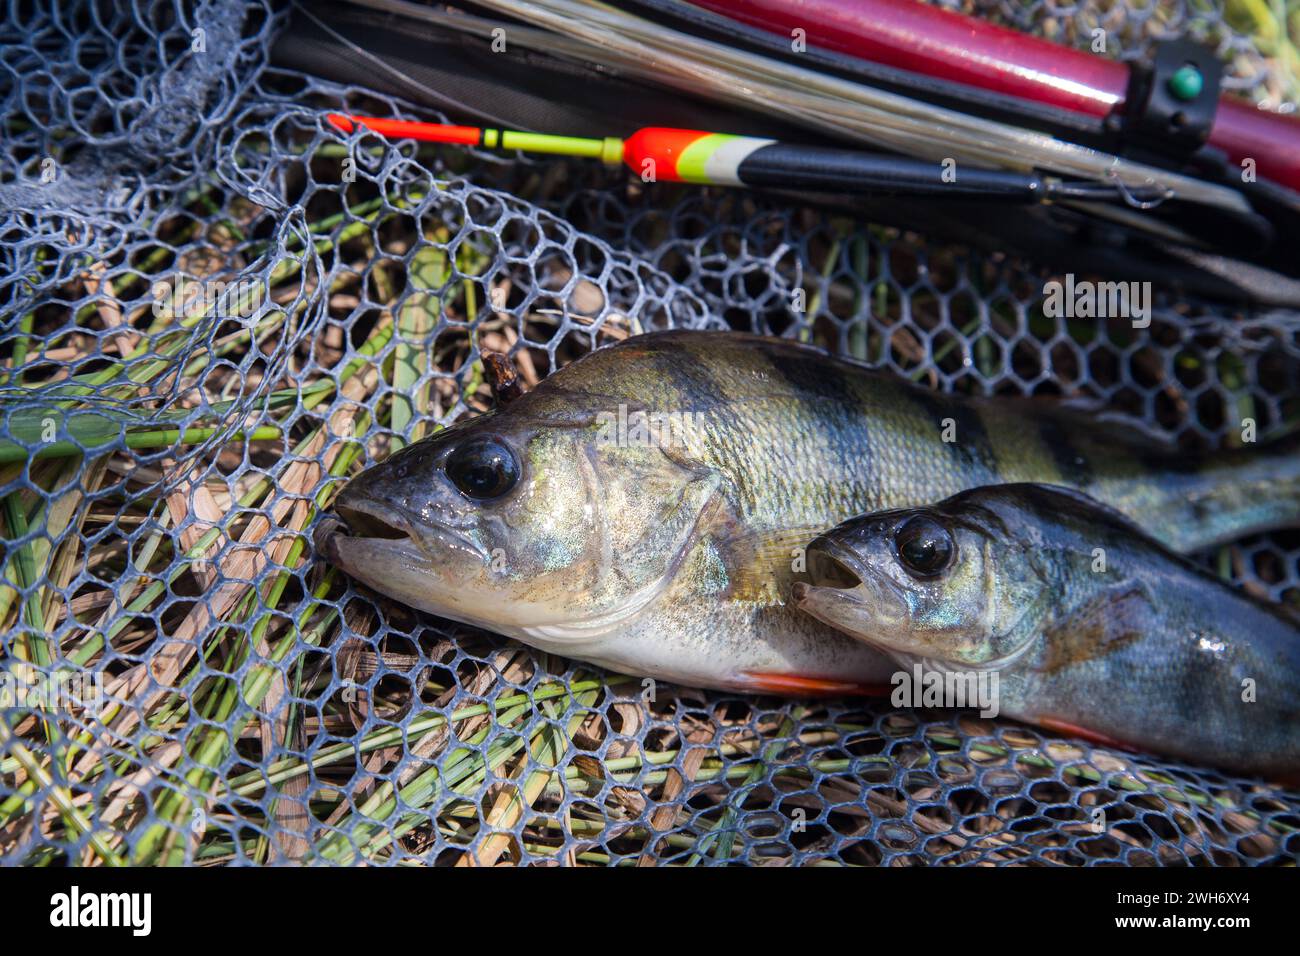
(1089, 625)
(785, 442)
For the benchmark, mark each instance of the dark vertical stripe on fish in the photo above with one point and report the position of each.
(827, 381)
(971, 450)
(1076, 471)
(832, 394)
(686, 374)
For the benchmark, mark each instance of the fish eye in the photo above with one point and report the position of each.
(482, 468)
(924, 546)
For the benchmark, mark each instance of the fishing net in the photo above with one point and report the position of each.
(216, 307)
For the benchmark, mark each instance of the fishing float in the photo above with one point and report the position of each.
(658, 153)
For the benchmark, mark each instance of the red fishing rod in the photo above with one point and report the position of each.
(937, 43)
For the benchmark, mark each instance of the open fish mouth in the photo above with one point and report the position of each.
(336, 538)
(830, 566)
(369, 521)
(843, 593)
(837, 585)
(387, 529)
(409, 559)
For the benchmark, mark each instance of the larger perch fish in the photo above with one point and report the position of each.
(645, 508)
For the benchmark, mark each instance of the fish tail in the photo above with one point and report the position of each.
(1227, 496)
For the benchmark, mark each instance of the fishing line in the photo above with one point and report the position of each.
(452, 103)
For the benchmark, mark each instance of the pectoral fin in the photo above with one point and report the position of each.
(761, 565)
(1113, 620)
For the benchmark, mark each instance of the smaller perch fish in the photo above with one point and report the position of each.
(1094, 628)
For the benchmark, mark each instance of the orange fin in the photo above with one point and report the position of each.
(797, 685)
(1112, 621)
(1092, 736)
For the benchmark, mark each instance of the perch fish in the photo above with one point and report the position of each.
(645, 508)
(1092, 627)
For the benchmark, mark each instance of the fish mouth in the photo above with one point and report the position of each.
(338, 536)
(844, 594)
(364, 520)
(387, 529)
(830, 566)
(837, 587)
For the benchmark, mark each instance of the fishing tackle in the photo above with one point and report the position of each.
(722, 159)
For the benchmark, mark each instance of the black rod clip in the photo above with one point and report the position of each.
(1171, 99)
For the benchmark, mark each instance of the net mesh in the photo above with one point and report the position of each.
(216, 307)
